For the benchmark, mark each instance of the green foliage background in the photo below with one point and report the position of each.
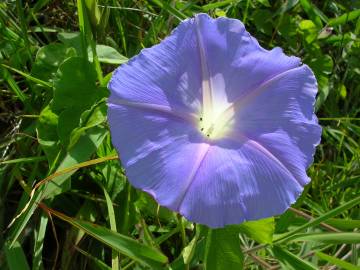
(56, 58)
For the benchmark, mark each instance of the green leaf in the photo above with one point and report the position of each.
(121, 243)
(108, 55)
(335, 261)
(5, 74)
(343, 92)
(259, 230)
(290, 260)
(216, 4)
(72, 40)
(88, 211)
(173, 11)
(189, 251)
(329, 238)
(47, 134)
(344, 224)
(112, 220)
(95, 116)
(69, 119)
(309, 30)
(318, 220)
(264, 2)
(93, 12)
(322, 65)
(75, 85)
(37, 263)
(347, 17)
(287, 27)
(99, 264)
(80, 152)
(29, 77)
(223, 249)
(312, 13)
(262, 20)
(15, 257)
(48, 59)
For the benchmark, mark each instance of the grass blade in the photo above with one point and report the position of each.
(123, 244)
(329, 238)
(335, 261)
(15, 257)
(112, 219)
(320, 219)
(290, 260)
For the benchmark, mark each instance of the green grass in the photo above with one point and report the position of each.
(53, 50)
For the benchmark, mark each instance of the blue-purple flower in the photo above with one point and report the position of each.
(212, 125)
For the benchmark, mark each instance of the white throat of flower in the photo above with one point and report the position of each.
(215, 124)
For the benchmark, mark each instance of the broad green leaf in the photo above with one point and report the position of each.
(121, 243)
(263, 21)
(88, 119)
(347, 17)
(322, 65)
(335, 261)
(48, 59)
(75, 85)
(223, 249)
(309, 29)
(290, 260)
(69, 119)
(287, 27)
(342, 91)
(323, 84)
(73, 40)
(260, 230)
(108, 55)
(47, 134)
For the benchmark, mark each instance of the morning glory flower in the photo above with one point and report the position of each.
(212, 125)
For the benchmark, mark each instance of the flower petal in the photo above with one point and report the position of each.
(281, 117)
(235, 60)
(159, 152)
(238, 181)
(168, 74)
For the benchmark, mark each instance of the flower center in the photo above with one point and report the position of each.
(215, 125)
